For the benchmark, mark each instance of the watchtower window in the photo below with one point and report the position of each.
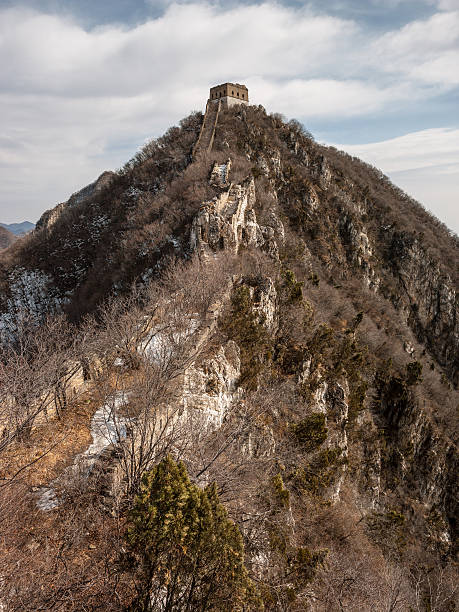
(242, 95)
(238, 94)
(232, 93)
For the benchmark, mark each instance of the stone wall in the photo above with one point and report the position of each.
(230, 90)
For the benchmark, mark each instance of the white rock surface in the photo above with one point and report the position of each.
(107, 427)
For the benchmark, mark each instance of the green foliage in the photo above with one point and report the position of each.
(322, 341)
(311, 432)
(278, 540)
(294, 287)
(320, 473)
(306, 562)
(186, 552)
(297, 565)
(314, 279)
(290, 357)
(357, 394)
(281, 493)
(293, 250)
(242, 326)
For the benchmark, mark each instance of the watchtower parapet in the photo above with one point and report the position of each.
(229, 94)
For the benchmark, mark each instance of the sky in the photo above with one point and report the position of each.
(85, 83)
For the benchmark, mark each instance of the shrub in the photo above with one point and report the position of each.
(311, 431)
(187, 553)
(281, 493)
(242, 326)
(294, 287)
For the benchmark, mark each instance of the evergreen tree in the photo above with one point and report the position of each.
(187, 553)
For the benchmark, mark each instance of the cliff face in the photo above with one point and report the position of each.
(405, 458)
(321, 387)
(428, 299)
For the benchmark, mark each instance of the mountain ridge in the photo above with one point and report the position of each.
(19, 229)
(398, 240)
(296, 314)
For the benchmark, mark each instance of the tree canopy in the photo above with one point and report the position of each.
(189, 555)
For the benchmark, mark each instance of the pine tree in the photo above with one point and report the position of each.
(187, 554)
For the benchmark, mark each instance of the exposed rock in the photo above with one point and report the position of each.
(210, 387)
(408, 348)
(258, 442)
(278, 227)
(312, 199)
(370, 474)
(429, 301)
(358, 248)
(337, 417)
(264, 299)
(50, 217)
(229, 221)
(219, 177)
(424, 460)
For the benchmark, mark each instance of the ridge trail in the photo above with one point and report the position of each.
(207, 133)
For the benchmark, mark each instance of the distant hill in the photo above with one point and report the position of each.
(6, 238)
(19, 229)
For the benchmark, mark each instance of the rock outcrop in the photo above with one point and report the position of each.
(49, 218)
(308, 339)
(211, 386)
(229, 220)
(427, 299)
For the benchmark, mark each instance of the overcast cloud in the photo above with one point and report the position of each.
(82, 87)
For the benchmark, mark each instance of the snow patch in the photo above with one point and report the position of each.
(107, 428)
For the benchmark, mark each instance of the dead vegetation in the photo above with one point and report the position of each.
(309, 461)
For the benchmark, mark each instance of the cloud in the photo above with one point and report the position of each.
(55, 55)
(426, 51)
(448, 5)
(425, 164)
(75, 102)
(309, 98)
(424, 149)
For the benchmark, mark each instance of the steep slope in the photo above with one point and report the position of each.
(303, 356)
(351, 218)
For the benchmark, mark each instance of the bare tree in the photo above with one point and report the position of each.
(36, 375)
(436, 589)
(148, 340)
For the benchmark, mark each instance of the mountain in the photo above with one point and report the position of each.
(6, 238)
(19, 229)
(275, 314)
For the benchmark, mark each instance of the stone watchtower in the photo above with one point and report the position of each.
(229, 94)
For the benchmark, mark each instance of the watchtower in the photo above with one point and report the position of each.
(229, 94)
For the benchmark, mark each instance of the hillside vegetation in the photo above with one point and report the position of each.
(266, 335)
(6, 238)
